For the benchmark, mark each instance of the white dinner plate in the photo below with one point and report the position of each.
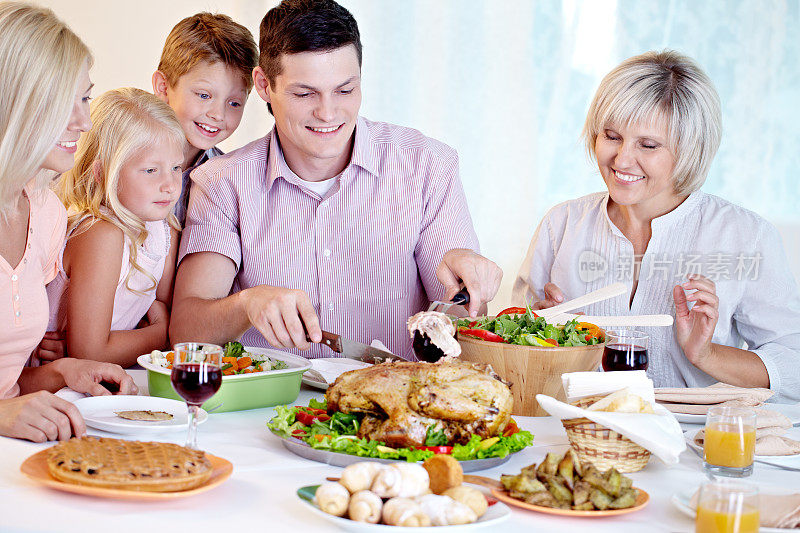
(327, 369)
(680, 501)
(494, 515)
(785, 460)
(792, 411)
(99, 412)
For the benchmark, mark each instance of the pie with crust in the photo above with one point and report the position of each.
(128, 465)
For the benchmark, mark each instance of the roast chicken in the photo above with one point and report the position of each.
(402, 400)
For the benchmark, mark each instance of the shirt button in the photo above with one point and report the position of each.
(326, 253)
(16, 297)
(25, 260)
(14, 277)
(18, 313)
(330, 306)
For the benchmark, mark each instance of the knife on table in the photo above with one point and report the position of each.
(357, 350)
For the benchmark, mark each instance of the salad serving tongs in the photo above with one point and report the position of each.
(610, 291)
(461, 298)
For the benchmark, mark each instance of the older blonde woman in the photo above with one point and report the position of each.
(653, 128)
(44, 107)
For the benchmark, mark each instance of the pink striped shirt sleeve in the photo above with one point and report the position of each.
(366, 253)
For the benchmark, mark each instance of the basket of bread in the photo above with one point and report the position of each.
(400, 494)
(603, 446)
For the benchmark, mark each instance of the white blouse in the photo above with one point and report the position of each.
(577, 247)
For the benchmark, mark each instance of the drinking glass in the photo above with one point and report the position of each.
(196, 376)
(729, 441)
(727, 506)
(626, 349)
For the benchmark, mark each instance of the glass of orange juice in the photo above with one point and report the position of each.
(726, 506)
(729, 441)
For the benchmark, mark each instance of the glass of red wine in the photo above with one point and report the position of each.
(626, 349)
(196, 377)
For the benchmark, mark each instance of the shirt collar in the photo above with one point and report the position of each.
(361, 156)
(664, 222)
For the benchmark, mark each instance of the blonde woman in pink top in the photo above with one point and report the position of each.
(122, 238)
(45, 87)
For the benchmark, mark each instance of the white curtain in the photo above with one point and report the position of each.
(507, 83)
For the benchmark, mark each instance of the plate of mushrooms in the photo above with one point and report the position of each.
(371, 496)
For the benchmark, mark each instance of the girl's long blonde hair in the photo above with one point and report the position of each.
(40, 63)
(123, 121)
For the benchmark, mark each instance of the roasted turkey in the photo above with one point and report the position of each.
(401, 400)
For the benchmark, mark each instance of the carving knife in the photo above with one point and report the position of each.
(357, 350)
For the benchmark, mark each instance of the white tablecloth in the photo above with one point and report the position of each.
(260, 495)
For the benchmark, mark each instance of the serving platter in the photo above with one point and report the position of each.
(300, 448)
(641, 501)
(494, 515)
(35, 467)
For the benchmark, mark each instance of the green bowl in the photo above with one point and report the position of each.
(243, 391)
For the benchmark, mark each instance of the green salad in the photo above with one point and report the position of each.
(520, 325)
(337, 432)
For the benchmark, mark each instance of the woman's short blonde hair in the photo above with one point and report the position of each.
(665, 86)
(41, 60)
(124, 121)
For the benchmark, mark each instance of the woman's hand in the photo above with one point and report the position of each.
(552, 296)
(86, 376)
(52, 346)
(40, 416)
(694, 328)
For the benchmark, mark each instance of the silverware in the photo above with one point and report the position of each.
(357, 350)
(777, 465)
(774, 465)
(461, 298)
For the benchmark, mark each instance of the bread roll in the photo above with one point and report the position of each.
(404, 512)
(406, 480)
(332, 498)
(359, 476)
(445, 511)
(472, 498)
(365, 506)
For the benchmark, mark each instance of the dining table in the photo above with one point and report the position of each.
(261, 493)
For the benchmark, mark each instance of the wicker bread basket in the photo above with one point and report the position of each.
(601, 446)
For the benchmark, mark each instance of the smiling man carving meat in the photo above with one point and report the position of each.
(331, 220)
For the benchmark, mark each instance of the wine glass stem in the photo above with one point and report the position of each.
(191, 439)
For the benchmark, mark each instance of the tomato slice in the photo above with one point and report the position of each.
(446, 450)
(482, 334)
(512, 311)
(511, 428)
(304, 418)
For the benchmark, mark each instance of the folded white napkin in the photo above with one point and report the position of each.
(581, 384)
(331, 368)
(660, 433)
(70, 395)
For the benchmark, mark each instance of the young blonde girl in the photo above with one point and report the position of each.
(119, 260)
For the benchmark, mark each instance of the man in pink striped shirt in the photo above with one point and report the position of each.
(329, 222)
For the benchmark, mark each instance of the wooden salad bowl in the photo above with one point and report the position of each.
(532, 370)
